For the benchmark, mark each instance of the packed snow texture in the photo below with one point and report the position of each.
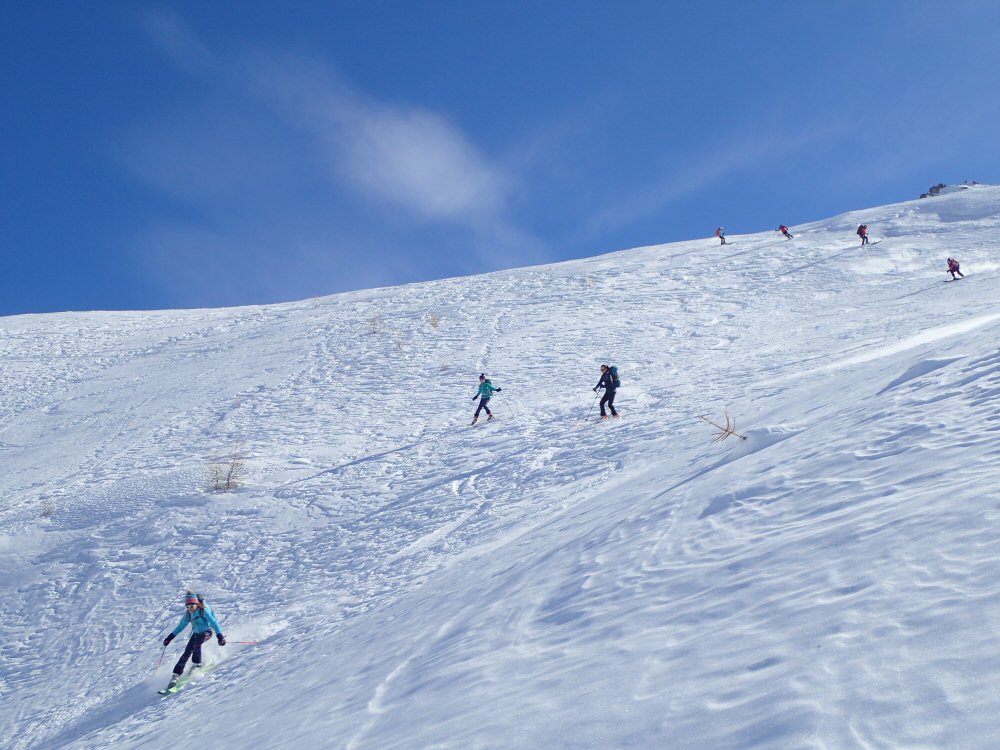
(545, 580)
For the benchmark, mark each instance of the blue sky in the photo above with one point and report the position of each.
(208, 154)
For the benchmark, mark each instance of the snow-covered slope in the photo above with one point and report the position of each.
(546, 580)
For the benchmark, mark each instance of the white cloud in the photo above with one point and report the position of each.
(398, 156)
(417, 160)
(289, 180)
(406, 156)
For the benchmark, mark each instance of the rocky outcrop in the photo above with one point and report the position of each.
(942, 188)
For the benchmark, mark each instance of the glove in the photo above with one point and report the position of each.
(222, 639)
(595, 390)
(166, 641)
(499, 389)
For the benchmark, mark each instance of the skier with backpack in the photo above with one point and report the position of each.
(484, 394)
(202, 620)
(721, 234)
(953, 268)
(609, 382)
(784, 230)
(863, 233)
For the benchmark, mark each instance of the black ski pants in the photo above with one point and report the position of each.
(609, 399)
(482, 405)
(192, 650)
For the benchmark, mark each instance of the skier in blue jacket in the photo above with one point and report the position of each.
(484, 394)
(202, 621)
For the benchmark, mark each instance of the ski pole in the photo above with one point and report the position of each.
(246, 643)
(160, 663)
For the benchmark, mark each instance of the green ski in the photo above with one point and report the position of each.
(175, 687)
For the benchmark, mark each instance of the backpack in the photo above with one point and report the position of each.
(861, 230)
(614, 376)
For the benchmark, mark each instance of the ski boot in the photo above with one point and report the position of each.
(489, 418)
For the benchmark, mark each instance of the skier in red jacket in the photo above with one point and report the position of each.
(953, 266)
(721, 234)
(863, 233)
(784, 230)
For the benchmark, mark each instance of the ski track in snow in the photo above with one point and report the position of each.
(544, 580)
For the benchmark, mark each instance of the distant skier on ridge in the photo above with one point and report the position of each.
(953, 268)
(863, 233)
(721, 234)
(609, 382)
(484, 394)
(202, 621)
(784, 230)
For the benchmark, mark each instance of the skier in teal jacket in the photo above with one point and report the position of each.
(202, 621)
(484, 394)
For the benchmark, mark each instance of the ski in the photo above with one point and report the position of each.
(175, 687)
(186, 678)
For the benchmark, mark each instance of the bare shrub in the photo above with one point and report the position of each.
(375, 324)
(728, 431)
(400, 340)
(435, 321)
(226, 473)
(48, 509)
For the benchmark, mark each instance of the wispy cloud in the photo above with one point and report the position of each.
(407, 156)
(402, 155)
(418, 160)
(278, 157)
(177, 41)
(751, 145)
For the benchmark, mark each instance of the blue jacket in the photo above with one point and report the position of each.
(486, 389)
(201, 621)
